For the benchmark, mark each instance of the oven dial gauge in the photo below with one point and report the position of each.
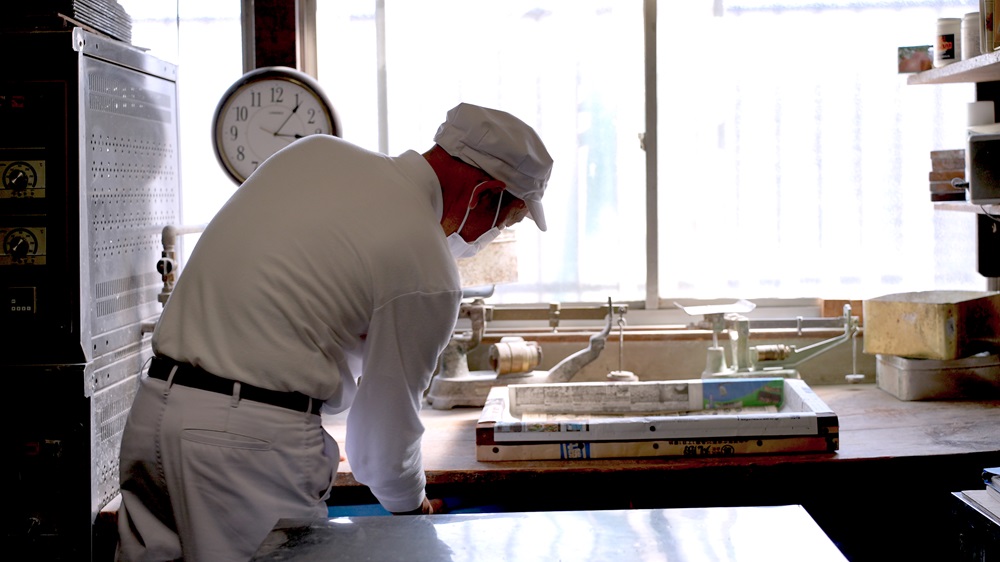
(19, 176)
(22, 179)
(20, 244)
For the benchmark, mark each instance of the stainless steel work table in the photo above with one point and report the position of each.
(897, 464)
(775, 534)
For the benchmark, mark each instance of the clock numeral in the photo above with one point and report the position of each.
(254, 99)
(242, 113)
(312, 116)
(240, 154)
(277, 94)
(234, 132)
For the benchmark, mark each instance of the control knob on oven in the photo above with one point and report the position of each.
(19, 243)
(19, 176)
(18, 181)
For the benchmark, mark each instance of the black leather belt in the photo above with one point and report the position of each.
(196, 377)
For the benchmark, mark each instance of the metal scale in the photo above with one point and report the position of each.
(773, 360)
(512, 360)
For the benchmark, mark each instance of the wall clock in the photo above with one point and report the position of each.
(264, 111)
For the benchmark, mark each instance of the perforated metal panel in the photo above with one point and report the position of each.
(131, 157)
(109, 410)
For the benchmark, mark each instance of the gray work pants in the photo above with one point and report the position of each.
(205, 476)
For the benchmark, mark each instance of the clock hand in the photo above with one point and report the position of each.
(277, 134)
(283, 123)
(288, 139)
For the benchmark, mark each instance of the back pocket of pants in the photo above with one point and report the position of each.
(225, 439)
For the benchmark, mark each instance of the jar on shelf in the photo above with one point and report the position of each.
(970, 36)
(948, 43)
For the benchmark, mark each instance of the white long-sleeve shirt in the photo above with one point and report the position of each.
(328, 256)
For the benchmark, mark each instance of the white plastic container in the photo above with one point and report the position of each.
(980, 113)
(970, 36)
(948, 42)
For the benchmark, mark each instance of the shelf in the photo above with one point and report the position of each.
(967, 207)
(984, 68)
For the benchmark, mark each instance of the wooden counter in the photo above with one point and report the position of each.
(897, 464)
(875, 428)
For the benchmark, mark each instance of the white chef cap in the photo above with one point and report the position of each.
(504, 147)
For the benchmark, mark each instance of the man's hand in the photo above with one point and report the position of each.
(432, 507)
(428, 507)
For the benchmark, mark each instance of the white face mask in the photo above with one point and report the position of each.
(458, 245)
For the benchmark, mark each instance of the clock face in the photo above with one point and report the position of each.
(265, 111)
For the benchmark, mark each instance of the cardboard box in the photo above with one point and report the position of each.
(834, 308)
(944, 160)
(914, 59)
(940, 325)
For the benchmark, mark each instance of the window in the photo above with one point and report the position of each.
(792, 157)
(572, 70)
(204, 39)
